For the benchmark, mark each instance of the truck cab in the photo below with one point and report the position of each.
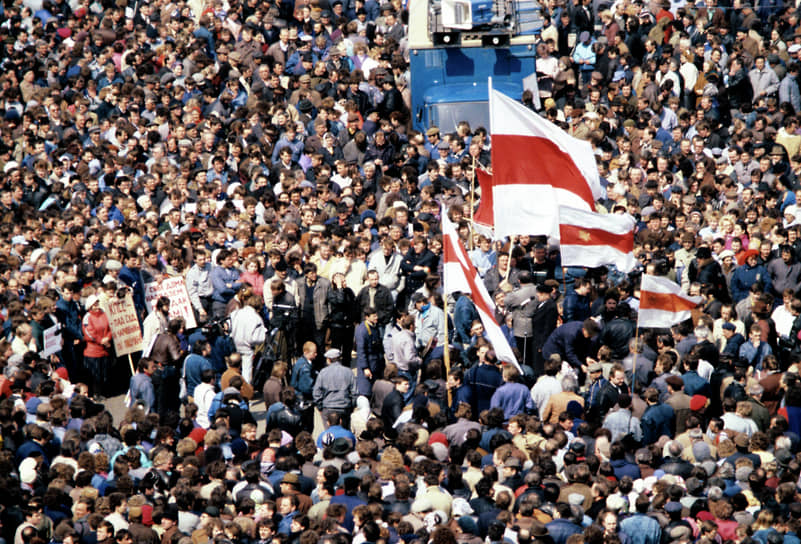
(456, 45)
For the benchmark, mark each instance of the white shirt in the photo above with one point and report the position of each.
(203, 395)
(784, 320)
(542, 391)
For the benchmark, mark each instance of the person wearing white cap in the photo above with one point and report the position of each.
(97, 334)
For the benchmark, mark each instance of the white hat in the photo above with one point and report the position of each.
(793, 49)
(36, 254)
(27, 470)
(91, 300)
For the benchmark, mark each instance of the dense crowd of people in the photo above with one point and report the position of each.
(264, 152)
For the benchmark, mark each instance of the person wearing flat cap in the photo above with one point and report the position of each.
(335, 388)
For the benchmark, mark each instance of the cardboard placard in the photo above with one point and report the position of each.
(175, 290)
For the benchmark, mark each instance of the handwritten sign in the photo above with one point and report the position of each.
(175, 290)
(51, 340)
(122, 319)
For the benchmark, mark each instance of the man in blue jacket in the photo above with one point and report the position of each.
(369, 352)
(658, 418)
(225, 280)
(574, 342)
(68, 312)
(195, 364)
(131, 276)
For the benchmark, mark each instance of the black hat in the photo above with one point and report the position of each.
(340, 447)
(305, 106)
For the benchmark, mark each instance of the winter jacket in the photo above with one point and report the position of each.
(513, 398)
(69, 315)
(96, 329)
(342, 305)
(569, 342)
(382, 302)
(247, 330)
(616, 335)
(140, 389)
(404, 352)
(335, 388)
(657, 421)
(166, 349)
(320, 299)
(576, 307)
(194, 366)
(389, 270)
(464, 313)
(302, 380)
(482, 380)
(415, 278)
(369, 355)
(745, 276)
(784, 276)
(522, 303)
(220, 277)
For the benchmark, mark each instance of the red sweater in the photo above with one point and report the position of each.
(95, 330)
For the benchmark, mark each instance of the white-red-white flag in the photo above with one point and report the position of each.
(536, 168)
(484, 214)
(592, 239)
(460, 275)
(662, 302)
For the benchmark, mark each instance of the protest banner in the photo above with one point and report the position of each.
(52, 340)
(125, 330)
(175, 290)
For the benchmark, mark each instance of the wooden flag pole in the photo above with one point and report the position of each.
(446, 351)
(509, 266)
(472, 202)
(634, 359)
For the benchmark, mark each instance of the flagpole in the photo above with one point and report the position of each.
(446, 351)
(634, 359)
(472, 202)
(509, 266)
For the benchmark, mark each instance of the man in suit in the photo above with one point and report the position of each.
(543, 323)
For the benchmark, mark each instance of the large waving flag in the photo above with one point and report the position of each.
(460, 275)
(662, 303)
(536, 167)
(592, 239)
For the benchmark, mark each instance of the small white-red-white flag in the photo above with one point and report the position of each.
(460, 275)
(662, 303)
(537, 167)
(592, 239)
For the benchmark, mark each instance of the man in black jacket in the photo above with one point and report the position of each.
(543, 323)
(375, 295)
(393, 403)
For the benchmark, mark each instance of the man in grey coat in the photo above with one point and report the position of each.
(523, 302)
(335, 388)
(788, 88)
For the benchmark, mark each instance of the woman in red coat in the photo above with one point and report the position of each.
(97, 333)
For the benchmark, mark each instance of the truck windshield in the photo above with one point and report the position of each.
(447, 115)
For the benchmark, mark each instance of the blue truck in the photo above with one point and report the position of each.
(456, 45)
